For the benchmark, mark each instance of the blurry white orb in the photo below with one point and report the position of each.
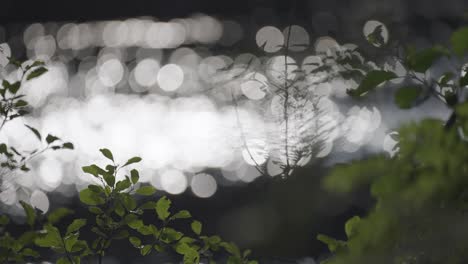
(280, 69)
(111, 72)
(8, 193)
(270, 39)
(326, 44)
(311, 63)
(44, 47)
(5, 53)
(254, 153)
(50, 173)
(115, 33)
(31, 33)
(325, 149)
(146, 72)
(297, 37)
(390, 142)
(376, 27)
(173, 181)
(205, 29)
(40, 201)
(170, 77)
(254, 86)
(212, 69)
(203, 185)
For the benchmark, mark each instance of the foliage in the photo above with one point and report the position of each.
(113, 205)
(420, 194)
(116, 215)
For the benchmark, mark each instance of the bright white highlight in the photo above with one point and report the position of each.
(170, 77)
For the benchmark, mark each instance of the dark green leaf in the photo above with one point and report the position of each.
(93, 170)
(162, 208)
(68, 145)
(110, 179)
(135, 241)
(421, 61)
(135, 176)
(182, 215)
(30, 213)
(196, 227)
(351, 226)
(21, 103)
(76, 225)
(89, 197)
(107, 153)
(146, 190)
(50, 139)
(146, 250)
(371, 81)
(132, 160)
(38, 135)
(36, 73)
(122, 185)
(4, 220)
(333, 244)
(405, 97)
(459, 41)
(58, 214)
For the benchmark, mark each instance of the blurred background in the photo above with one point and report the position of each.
(156, 79)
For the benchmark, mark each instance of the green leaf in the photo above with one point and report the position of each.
(405, 97)
(371, 81)
(107, 153)
(110, 179)
(132, 160)
(135, 176)
(30, 253)
(231, 248)
(145, 250)
(333, 244)
(122, 234)
(464, 80)
(51, 139)
(21, 103)
(95, 210)
(146, 190)
(421, 61)
(58, 214)
(52, 239)
(38, 135)
(351, 226)
(184, 214)
(196, 227)
(12, 88)
(36, 73)
(128, 201)
(162, 208)
(93, 170)
(68, 145)
(135, 241)
(70, 241)
(459, 41)
(89, 197)
(30, 213)
(122, 185)
(76, 225)
(4, 220)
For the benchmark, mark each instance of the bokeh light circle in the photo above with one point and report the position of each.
(170, 77)
(203, 185)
